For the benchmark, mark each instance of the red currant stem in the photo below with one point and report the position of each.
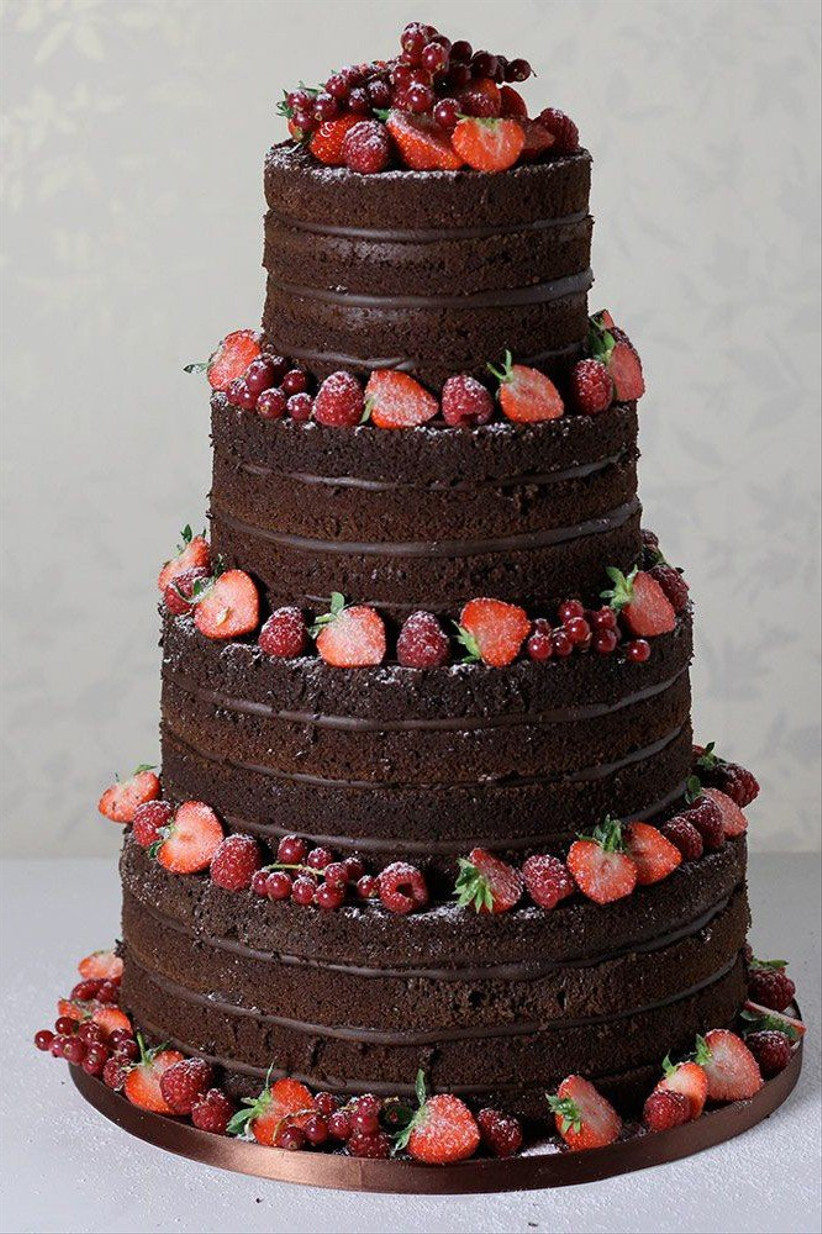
(284, 865)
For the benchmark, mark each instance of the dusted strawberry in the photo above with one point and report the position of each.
(733, 1072)
(512, 103)
(231, 358)
(339, 402)
(488, 144)
(396, 400)
(602, 869)
(734, 822)
(562, 128)
(493, 631)
(592, 387)
(193, 552)
(101, 966)
(350, 637)
(120, 801)
(142, 1084)
(640, 602)
(180, 595)
(654, 856)
(688, 1078)
(229, 607)
(190, 841)
(267, 1116)
(487, 884)
(547, 880)
(328, 142)
(442, 1131)
(770, 985)
(616, 351)
(148, 819)
(526, 395)
(583, 1117)
(422, 145)
(537, 140)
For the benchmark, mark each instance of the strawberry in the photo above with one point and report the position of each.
(525, 394)
(339, 401)
(732, 1071)
(179, 596)
(421, 144)
(512, 103)
(148, 819)
(583, 1117)
(142, 1086)
(688, 1078)
(120, 800)
(537, 140)
(602, 869)
(228, 607)
(756, 1016)
(592, 387)
(267, 1115)
(190, 841)
(493, 631)
(488, 144)
(482, 98)
(616, 351)
(111, 1019)
(547, 880)
(654, 856)
(328, 140)
(396, 400)
(769, 984)
(486, 883)
(230, 359)
(734, 822)
(442, 1131)
(73, 1010)
(193, 552)
(350, 637)
(101, 966)
(641, 602)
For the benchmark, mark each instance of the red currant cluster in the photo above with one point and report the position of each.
(271, 386)
(362, 1124)
(583, 630)
(425, 78)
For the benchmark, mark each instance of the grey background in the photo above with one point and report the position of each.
(133, 137)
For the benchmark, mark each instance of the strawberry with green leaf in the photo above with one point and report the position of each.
(487, 884)
(583, 1117)
(492, 631)
(443, 1130)
(526, 395)
(601, 867)
(192, 553)
(350, 637)
(142, 1084)
(266, 1116)
(615, 350)
(230, 359)
(640, 601)
(121, 799)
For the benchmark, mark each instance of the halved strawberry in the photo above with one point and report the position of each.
(327, 141)
(486, 883)
(191, 839)
(525, 394)
(483, 89)
(537, 140)
(230, 358)
(444, 1130)
(395, 400)
(350, 637)
(266, 1115)
(121, 799)
(583, 1117)
(755, 1016)
(488, 144)
(734, 822)
(101, 966)
(142, 1084)
(493, 631)
(641, 602)
(111, 1018)
(74, 1010)
(193, 552)
(688, 1078)
(602, 869)
(654, 856)
(421, 144)
(229, 607)
(512, 103)
(733, 1072)
(616, 351)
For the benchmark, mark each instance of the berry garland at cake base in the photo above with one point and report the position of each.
(543, 1164)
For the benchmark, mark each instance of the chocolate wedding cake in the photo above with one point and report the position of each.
(429, 798)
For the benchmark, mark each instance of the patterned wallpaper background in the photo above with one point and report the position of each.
(133, 135)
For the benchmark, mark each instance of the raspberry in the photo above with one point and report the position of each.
(650, 547)
(501, 1133)
(402, 888)
(284, 635)
(592, 387)
(114, 1073)
(148, 819)
(771, 1049)
(706, 816)
(466, 402)
(673, 584)
(770, 987)
(665, 1109)
(212, 1112)
(736, 782)
(339, 402)
(185, 1083)
(422, 643)
(377, 1145)
(562, 128)
(540, 645)
(235, 862)
(367, 147)
(684, 835)
(547, 880)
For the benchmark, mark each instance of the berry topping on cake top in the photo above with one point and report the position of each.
(434, 106)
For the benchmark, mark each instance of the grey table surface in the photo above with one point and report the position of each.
(64, 1168)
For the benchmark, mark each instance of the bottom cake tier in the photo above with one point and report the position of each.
(492, 1008)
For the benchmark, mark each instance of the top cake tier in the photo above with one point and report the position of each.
(433, 273)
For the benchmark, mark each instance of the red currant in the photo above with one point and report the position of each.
(291, 1138)
(337, 86)
(326, 107)
(518, 70)
(259, 883)
(43, 1039)
(605, 641)
(354, 869)
(319, 858)
(484, 64)
(278, 885)
(540, 644)
(128, 1050)
(84, 991)
(292, 851)
(339, 1125)
(64, 1026)
(446, 114)
(434, 57)
(74, 1051)
(326, 1103)
(569, 610)
(259, 375)
(329, 896)
(563, 643)
(638, 651)
(462, 51)
(578, 629)
(315, 1129)
(57, 1044)
(459, 75)
(302, 891)
(379, 94)
(336, 874)
(419, 98)
(603, 619)
(271, 404)
(367, 887)
(359, 101)
(295, 381)
(300, 406)
(90, 1032)
(365, 1121)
